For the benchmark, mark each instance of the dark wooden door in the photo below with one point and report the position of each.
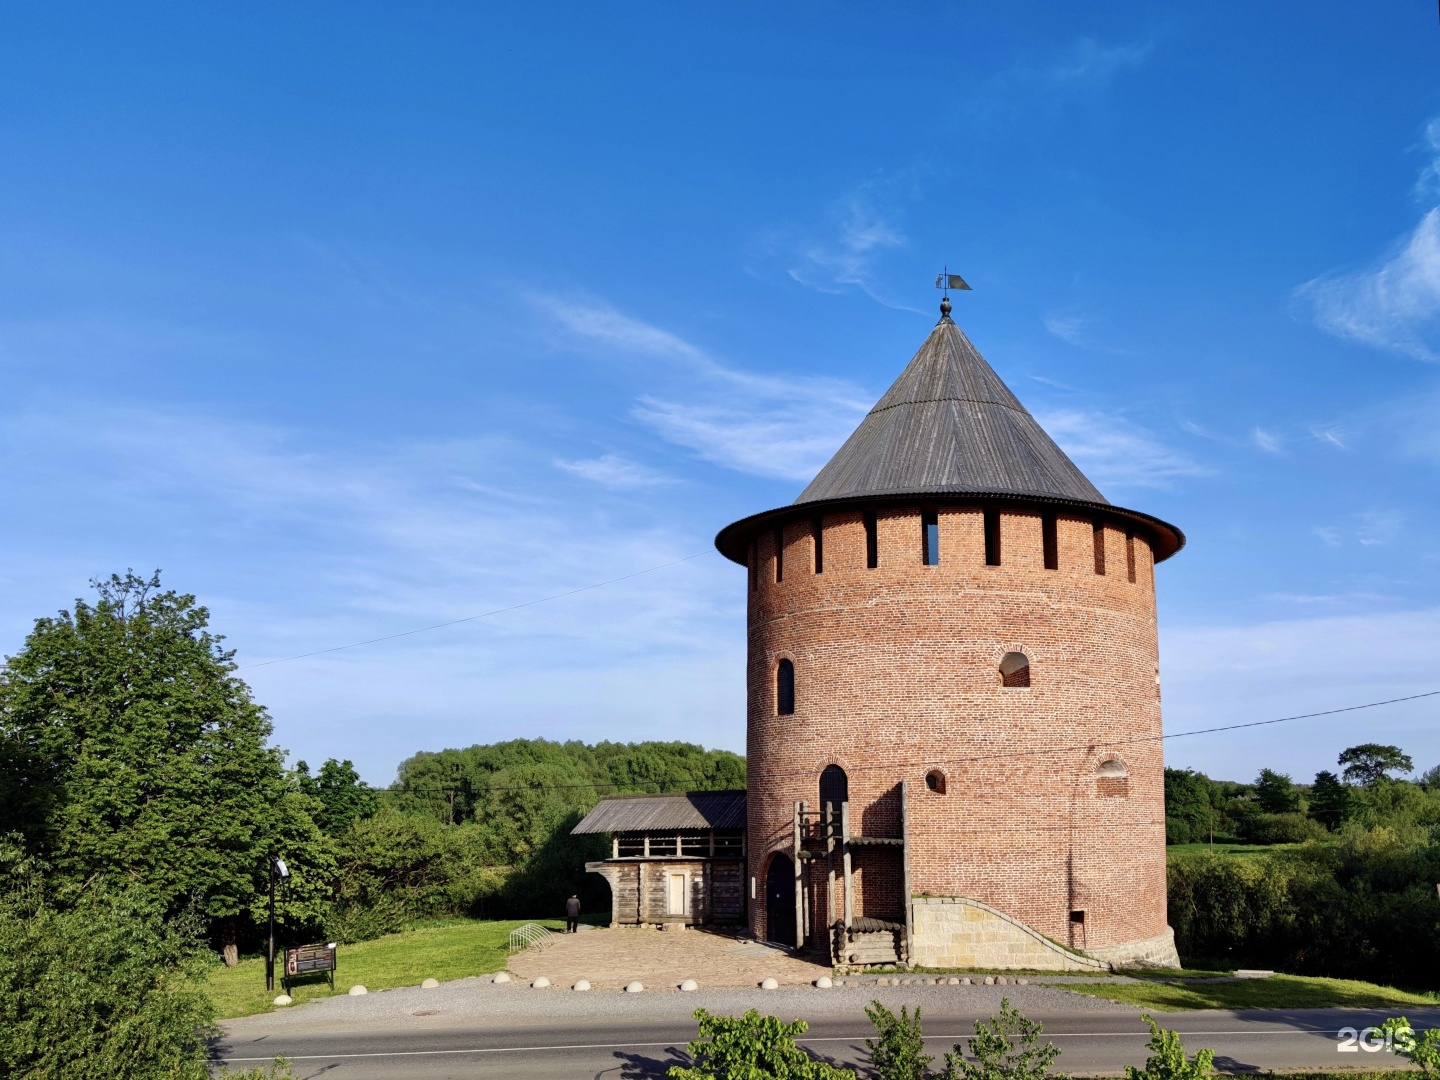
(780, 901)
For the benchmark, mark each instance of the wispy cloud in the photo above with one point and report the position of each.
(1114, 452)
(843, 252)
(1090, 62)
(776, 426)
(1394, 304)
(1266, 440)
(614, 471)
(1068, 328)
(1371, 528)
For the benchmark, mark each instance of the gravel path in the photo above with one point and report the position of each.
(515, 1004)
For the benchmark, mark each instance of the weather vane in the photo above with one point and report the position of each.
(948, 281)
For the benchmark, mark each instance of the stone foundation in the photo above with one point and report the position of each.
(953, 932)
(1158, 951)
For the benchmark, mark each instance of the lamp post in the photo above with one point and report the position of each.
(278, 872)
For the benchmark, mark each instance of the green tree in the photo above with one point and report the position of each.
(1190, 813)
(1370, 763)
(1329, 800)
(342, 795)
(1276, 792)
(148, 762)
(752, 1047)
(1005, 1047)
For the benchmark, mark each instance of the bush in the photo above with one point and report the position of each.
(1168, 1062)
(1006, 1047)
(1291, 827)
(899, 1051)
(752, 1047)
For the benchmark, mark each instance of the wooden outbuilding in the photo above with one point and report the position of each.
(677, 858)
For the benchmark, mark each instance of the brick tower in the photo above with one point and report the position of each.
(953, 693)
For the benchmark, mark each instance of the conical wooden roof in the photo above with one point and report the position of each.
(948, 425)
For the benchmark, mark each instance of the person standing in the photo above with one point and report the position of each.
(572, 915)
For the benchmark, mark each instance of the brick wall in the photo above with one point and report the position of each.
(896, 672)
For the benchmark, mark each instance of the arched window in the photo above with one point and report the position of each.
(1014, 669)
(935, 781)
(1112, 779)
(834, 790)
(785, 688)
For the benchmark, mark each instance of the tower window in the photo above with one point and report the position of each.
(930, 538)
(1014, 669)
(992, 537)
(872, 542)
(935, 781)
(754, 566)
(780, 554)
(834, 790)
(1099, 533)
(1112, 779)
(785, 688)
(817, 531)
(1050, 541)
(1130, 555)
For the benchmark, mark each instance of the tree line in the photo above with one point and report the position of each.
(133, 758)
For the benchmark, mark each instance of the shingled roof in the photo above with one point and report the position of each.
(677, 810)
(949, 425)
(948, 430)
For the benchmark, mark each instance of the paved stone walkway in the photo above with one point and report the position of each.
(661, 959)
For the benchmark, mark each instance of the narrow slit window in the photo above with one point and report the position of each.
(785, 688)
(1099, 532)
(817, 530)
(779, 554)
(930, 538)
(1050, 541)
(1130, 556)
(935, 781)
(872, 542)
(754, 566)
(992, 537)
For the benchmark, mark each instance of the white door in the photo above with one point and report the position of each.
(675, 895)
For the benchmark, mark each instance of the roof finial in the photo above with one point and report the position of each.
(948, 281)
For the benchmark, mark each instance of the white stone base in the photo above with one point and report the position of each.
(1158, 951)
(953, 932)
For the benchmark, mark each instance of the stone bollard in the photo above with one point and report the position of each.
(689, 986)
(634, 987)
(429, 984)
(501, 977)
(823, 983)
(283, 999)
(357, 990)
(768, 983)
(540, 984)
(582, 985)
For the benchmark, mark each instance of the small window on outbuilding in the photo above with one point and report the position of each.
(935, 781)
(1014, 669)
(785, 688)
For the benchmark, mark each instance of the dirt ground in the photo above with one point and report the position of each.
(661, 959)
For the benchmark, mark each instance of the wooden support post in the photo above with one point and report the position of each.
(829, 812)
(905, 866)
(799, 884)
(849, 883)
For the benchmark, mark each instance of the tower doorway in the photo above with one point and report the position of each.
(780, 901)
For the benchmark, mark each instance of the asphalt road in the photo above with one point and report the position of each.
(1091, 1042)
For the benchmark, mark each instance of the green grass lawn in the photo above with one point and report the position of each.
(1277, 992)
(441, 949)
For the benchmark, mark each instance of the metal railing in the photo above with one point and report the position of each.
(531, 935)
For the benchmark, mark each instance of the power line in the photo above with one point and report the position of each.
(953, 761)
(472, 618)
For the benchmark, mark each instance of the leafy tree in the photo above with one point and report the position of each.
(1276, 793)
(1190, 813)
(1168, 1062)
(898, 1051)
(1430, 778)
(343, 796)
(752, 1047)
(102, 989)
(1423, 1049)
(145, 761)
(1370, 763)
(1006, 1047)
(1329, 800)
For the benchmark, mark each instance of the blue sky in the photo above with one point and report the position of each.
(358, 318)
